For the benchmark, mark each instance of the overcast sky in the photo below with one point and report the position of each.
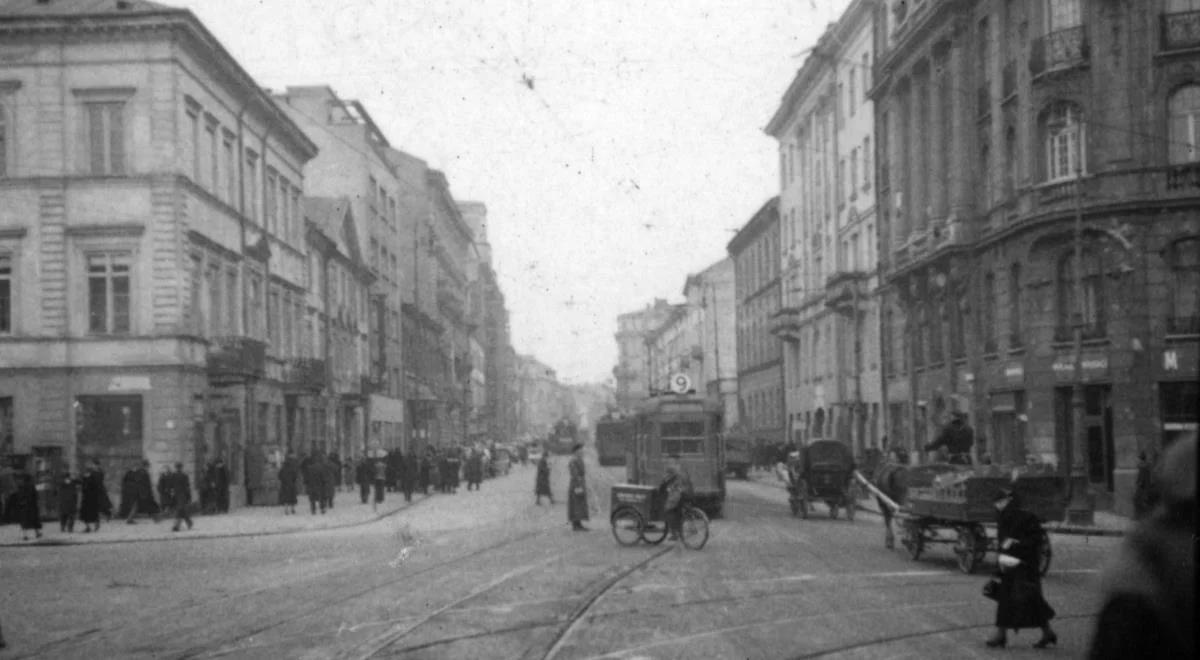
(617, 144)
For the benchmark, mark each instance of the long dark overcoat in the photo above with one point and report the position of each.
(474, 469)
(542, 485)
(1019, 602)
(288, 473)
(577, 504)
(24, 506)
(93, 498)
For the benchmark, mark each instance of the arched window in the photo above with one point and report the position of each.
(1064, 142)
(1184, 259)
(1183, 124)
(1092, 288)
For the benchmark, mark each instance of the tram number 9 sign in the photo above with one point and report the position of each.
(680, 383)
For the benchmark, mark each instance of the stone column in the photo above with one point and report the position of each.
(959, 127)
(916, 174)
(939, 174)
(897, 177)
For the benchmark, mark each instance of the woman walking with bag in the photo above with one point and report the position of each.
(1018, 595)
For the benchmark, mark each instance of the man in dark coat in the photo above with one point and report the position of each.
(138, 488)
(957, 437)
(68, 503)
(1019, 600)
(289, 471)
(23, 505)
(474, 469)
(423, 471)
(315, 473)
(577, 504)
(333, 473)
(163, 489)
(1145, 494)
(92, 498)
(364, 474)
(410, 474)
(379, 470)
(1149, 588)
(541, 486)
(181, 497)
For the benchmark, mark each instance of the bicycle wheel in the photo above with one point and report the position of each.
(627, 526)
(695, 528)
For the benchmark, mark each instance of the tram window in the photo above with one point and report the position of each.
(681, 429)
(678, 446)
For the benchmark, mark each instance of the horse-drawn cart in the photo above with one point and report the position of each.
(957, 510)
(824, 470)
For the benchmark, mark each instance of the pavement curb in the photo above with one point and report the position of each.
(45, 542)
(1064, 530)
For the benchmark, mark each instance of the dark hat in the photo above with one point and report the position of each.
(179, 466)
(577, 447)
(1004, 494)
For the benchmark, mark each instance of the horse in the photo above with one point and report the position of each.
(890, 477)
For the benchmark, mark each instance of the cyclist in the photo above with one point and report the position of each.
(678, 488)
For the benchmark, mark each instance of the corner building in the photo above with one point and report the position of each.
(152, 246)
(1002, 124)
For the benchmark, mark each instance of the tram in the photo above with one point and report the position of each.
(612, 439)
(685, 424)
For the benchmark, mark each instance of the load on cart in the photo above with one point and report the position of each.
(953, 506)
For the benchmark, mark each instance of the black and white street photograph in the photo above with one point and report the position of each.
(623, 330)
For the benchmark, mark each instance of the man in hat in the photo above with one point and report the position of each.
(957, 437)
(577, 504)
(181, 497)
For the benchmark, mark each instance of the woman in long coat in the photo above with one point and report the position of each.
(24, 504)
(577, 505)
(1019, 600)
(289, 471)
(541, 487)
(93, 499)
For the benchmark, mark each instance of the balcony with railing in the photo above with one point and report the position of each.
(1059, 50)
(235, 358)
(305, 375)
(1180, 30)
(786, 324)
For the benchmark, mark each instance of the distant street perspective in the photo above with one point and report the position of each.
(491, 574)
(553, 329)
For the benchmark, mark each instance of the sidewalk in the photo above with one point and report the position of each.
(348, 511)
(1104, 524)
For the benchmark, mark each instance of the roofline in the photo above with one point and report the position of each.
(167, 18)
(754, 226)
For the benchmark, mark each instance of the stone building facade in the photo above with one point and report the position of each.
(754, 251)
(633, 373)
(829, 323)
(1011, 136)
(710, 302)
(152, 239)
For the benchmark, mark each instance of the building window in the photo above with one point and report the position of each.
(212, 153)
(1091, 317)
(251, 182)
(193, 117)
(231, 302)
(212, 282)
(1014, 306)
(987, 321)
(269, 204)
(854, 173)
(866, 169)
(1184, 260)
(1063, 14)
(254, 306)
(936, 327)
(6, 291)
(109, 292)
(106, 137)
(4, 121)
(1010, 162)
(1184, 124)
(1064, 142)
(852, 97)
(231, 173)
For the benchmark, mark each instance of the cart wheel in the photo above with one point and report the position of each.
(965, 550)
(1045, 554)
(695, 528)
(913, 539)
(653, 532)
(627, 526)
